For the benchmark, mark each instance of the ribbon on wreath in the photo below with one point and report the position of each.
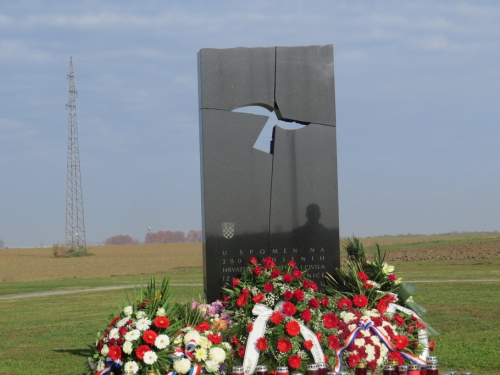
(366, 323)
(108, 365)
(423, 338)
(263, 314)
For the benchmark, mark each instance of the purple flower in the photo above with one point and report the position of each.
(194, 304)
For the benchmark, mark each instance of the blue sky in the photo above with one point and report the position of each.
(418, 114)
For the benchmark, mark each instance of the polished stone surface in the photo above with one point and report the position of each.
(236, 77)
(304, 204)
(305, 89)
(236, 194)
(283, 204)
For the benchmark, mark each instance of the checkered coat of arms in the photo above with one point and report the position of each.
(228, 230)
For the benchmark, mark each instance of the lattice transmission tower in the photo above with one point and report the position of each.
(75, 224)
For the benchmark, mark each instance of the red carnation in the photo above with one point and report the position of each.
(432, 344)
(296, 273)
(401, 342)
(268, 287)
(215, 339)
(393, 277)
(298, 294)
(344, 303)
(120, 341)
(382, 307)
(287, 278)
(268, 263)
(292, 328)
(330, 320)
(258, 298)
(122, 330)
(253, 260)
(319, 336)
(284, 345)
(235, 341)
(288, 295)
(115, 353)
(399, 319)
(288, 308)
(363, 277)
(360, 301)
(368, 285)
(204, 326)
(245, 291)
(324, 301)
(308, 344)
(225, 300)
(292, 263)
(250, 327)
(236, 281)
(333, 342)
(149, 336)
(276, 317)
(114, 321)
(397, 356)
(261, 344)
(242, 300)
(141, 350)
(241, 351)
(306, 315)
(354, 360)
(162, 322)
(257, 271)
(313, 303)
(294, 361)
(275, 274)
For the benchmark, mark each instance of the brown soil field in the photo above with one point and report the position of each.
(107, 261)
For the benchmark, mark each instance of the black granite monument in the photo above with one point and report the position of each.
(283, 203)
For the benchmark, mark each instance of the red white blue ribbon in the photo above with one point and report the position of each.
(195, 370)
(108, 365)
(364, 324)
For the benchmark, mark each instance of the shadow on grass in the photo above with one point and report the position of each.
(84, 353)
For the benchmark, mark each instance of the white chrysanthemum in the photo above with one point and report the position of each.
(161, 312)
(205, 343)
(376, 340)
(100, 365)
(150, 357)
(347, 316)
(217, 354)
(105, 350)
(200, 354)
(127, 347)
(365, 333)
(192, 335)
(132, 335)
(143, 324)
(372, 313)
(351, 327)
(226, 345)
(370, 352)
(131, 367)
(182, 365)
(359, 342)
(122, 322)
(114, 334)
(162, 341)
(128, 310)
(211, 366)
(141, 314)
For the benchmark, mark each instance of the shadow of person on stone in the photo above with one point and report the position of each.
(312, 233)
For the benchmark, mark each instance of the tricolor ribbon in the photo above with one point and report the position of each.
(189, 349)
(108, 365)
(263, 313)
(364, 324)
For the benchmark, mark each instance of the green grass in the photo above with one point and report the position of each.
(178, 276)
(50, 335)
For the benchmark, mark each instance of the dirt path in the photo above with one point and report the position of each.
(62, 292)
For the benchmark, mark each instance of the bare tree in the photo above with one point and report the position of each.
(193, 236)
(121, 239)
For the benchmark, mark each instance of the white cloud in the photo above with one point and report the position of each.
(436, 42)
(13, 50)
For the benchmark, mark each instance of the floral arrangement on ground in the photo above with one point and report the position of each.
(271, 315)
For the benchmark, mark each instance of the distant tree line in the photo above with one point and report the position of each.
(155, 237)
(168, 236)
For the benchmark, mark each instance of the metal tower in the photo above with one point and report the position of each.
(75, 225)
